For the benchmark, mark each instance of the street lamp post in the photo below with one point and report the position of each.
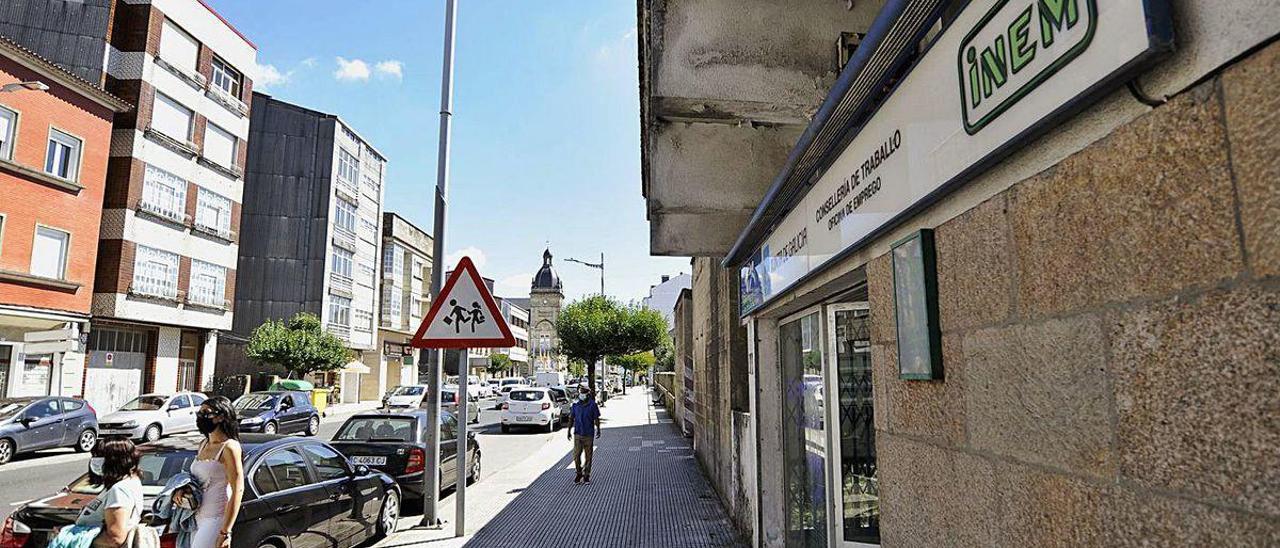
(599, 266)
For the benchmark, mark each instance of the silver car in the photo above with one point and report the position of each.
(150, 416)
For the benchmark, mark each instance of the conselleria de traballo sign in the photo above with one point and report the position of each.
(1004, 70)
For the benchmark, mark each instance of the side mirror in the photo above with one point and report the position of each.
(26, 422)
(361, 470)
(471, 434)
(172, 408)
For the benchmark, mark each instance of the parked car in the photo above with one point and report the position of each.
(277, 412)
(449, 402)
(396, 443)
(539, 407)
(503, 391)
(32, 424)
(478, 387)
(298, 492)
(408, 396)
(548, 378)
(149, 416)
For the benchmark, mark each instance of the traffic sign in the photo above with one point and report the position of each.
(464, 315)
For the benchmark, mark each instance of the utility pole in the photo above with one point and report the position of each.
(599, 266)
(435, 368)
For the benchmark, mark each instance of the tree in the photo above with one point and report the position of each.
(298, 345)
(599, 326)
(499, 363)
(577, 368)
(639, 362)
(665, 355)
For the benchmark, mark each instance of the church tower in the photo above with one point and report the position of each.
(545, 297)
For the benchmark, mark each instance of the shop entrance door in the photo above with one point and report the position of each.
(804, 435)
(855, 504)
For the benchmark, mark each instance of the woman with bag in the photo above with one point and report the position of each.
(220, 472)
(117, 511)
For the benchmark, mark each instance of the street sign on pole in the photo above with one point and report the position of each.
(464, 315)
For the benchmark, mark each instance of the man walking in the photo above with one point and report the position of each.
(583, 431)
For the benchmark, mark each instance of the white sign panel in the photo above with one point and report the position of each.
(1003, 70)
(464, 316)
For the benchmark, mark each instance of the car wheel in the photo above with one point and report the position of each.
(551, 425)
(6, 451)
(389, 518)
(506, 429)
(152, 433)
(473, 475)
(85, 442)
(269, 428)
(313, 426)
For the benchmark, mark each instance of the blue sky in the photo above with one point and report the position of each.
(546, 124)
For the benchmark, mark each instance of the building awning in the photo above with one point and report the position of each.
(356, 367)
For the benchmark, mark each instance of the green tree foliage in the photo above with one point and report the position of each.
(599, 326)
(499, 363)
(634, 364)
(298, 345)
(577, 368)
(665, 355)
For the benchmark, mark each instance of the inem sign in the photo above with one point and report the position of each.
(1015, 47)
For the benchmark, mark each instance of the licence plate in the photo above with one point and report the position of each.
(369, 461)
(523, 419)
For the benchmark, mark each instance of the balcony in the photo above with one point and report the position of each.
(220, 233)
(156, 291)
(347, 190)
(193, 79)
(339, 284)
(225, 99)
(164, 213)
(208, 301)
(344, 238)
(340, 331)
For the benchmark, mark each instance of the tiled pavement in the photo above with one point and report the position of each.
(647, 490)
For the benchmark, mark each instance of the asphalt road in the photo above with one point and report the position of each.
(34, 475)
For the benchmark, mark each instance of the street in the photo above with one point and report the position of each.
(33, 475)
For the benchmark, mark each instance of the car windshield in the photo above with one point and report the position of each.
(376, 429)
(255, 401)
(511, 381)
(408, 391)
(526, 395)
(156, 469)
(11, 408)
(144, 403)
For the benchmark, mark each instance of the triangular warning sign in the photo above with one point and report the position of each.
(464, 315)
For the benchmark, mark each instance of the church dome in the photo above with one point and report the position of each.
(546, 278)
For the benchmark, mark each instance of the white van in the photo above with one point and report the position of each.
(548, 378)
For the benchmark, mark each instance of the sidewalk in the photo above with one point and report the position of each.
(647, 490)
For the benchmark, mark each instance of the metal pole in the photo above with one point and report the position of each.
(601, 273)
(435, 369)
(460, 492)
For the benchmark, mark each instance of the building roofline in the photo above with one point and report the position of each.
(229, 25)
(48, 69)
(330, 116)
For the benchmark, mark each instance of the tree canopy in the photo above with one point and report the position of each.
(640, 362)
(298, 345)
(599, 326)
(499, 363)
(665, 355)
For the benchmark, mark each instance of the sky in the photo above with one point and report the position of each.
(546, 130)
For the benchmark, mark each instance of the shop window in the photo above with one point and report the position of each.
(804, 446)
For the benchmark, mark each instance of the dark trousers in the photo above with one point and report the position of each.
(582, 448)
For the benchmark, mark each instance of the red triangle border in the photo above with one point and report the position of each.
(464, 266)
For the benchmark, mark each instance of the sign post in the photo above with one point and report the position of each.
(464, 315)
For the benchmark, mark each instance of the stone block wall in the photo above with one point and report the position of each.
(1111, 344)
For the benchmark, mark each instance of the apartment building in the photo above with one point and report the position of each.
(663, 296)
(312, 225)
(405, 295)
(55, 131)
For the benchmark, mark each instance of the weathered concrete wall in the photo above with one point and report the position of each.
(1111, 342)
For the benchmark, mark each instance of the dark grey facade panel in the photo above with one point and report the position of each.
(71, 33)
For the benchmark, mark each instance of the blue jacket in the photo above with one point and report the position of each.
(75, 536)
(181, 520)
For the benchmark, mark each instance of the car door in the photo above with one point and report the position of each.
(43, 426)
(76, 419)
(352, 511)
(179, 415)
(284, 481)
(287, 414)
(448, 449)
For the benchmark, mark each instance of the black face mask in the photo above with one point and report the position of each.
(206, 425)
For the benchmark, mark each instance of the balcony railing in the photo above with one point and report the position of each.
(156, 291)
(166, 213)
(347, 189)
(344, 238)
(339, 282)
(340, 331)
(208, 301)
(216, 231)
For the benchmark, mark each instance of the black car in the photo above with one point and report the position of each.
(277, 412)
(32, 424)
(396, 443)
(299, 493)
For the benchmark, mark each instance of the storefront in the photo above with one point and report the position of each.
(41, 353)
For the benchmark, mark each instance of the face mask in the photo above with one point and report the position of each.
(582, 397)
(95, 465)
(205, 425)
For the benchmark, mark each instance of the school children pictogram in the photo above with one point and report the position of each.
(465, 315)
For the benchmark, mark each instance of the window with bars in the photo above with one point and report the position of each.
(348, 168)
(344, 215)
(339, 310)
(342, 261)
(208, 284)
(163, 193)
(155, 273)
(213, 213)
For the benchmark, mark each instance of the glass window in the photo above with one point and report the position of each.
(804, 451)
(49, 253)
(69, 405)
(525, 395)
(144, 403)
(348, 168)
(8, 124)
(178, 48)
(376, 428)
(182, 402)
(213, 212)
(163, 193)
(342, 261)
(171, 118)
(288, 470)
(208, 283)
(197, 399)
(225, 78)
(155, 272)
(328, 463)
(62, 159)
(339, 310)
(448, 427)
(344, 215)
(859, 488)
(219, 146)
(43, 409)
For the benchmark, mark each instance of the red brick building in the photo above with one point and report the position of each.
(55, 132)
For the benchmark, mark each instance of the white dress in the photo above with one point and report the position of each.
(213, 505)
